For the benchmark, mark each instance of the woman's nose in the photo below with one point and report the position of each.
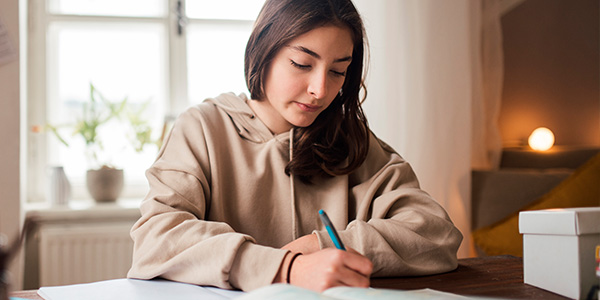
(317, 86)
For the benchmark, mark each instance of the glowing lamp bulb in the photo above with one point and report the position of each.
(541, 139)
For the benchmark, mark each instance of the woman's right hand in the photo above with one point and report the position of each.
(329, 268)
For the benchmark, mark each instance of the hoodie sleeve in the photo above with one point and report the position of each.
(398, 226)
(173, 239)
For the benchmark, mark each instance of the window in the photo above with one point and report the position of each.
(163, 55)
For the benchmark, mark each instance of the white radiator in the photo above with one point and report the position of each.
(84, 253)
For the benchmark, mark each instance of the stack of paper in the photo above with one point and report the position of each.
(134, 289)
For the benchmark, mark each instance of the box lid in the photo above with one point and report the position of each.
(560, 221)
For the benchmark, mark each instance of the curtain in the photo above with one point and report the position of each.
(427, 84)
(11, 212)
(487, 142)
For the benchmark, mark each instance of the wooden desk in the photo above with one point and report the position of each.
(26, 295)
(497, 276)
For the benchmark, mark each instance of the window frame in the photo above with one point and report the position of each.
(38, 85)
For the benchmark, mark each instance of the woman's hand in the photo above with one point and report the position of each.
(329, 268)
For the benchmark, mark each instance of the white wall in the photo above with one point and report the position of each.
(10, 212)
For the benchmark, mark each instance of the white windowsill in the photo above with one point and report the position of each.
(122, 209)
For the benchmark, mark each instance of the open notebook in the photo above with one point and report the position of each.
(134, 289)
(288, 292)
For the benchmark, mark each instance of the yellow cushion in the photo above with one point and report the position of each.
(581, 189)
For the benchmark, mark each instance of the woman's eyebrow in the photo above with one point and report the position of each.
(317, 56)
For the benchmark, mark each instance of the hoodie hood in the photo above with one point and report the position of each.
(248, 125)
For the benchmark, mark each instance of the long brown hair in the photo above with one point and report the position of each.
(337, 142)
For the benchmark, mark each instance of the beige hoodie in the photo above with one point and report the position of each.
(220, 205)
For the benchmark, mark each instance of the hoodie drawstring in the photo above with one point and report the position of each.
(293, 194)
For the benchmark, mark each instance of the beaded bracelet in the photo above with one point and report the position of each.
(289, 272)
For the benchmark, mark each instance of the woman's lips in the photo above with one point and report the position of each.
(308, 107)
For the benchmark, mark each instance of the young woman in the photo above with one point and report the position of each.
(236, 189)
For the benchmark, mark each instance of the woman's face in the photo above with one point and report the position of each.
(305, 76)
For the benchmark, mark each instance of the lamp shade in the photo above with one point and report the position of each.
(541, 139)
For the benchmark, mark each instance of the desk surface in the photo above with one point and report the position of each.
(496, 276)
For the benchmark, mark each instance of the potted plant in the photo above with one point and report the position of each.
(104, 181)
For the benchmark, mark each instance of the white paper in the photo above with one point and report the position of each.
(7, 50)
(135, 289)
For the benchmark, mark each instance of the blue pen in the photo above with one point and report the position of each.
(331, 230)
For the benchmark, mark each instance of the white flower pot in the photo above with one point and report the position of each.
(105, 184)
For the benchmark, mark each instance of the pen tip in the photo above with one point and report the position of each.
(321, 212)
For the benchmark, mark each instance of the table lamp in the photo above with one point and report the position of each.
(541, 139)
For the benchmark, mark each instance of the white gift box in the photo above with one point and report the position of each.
(559, 249)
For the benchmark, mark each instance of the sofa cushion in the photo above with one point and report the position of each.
(497, 194)
(581, 189)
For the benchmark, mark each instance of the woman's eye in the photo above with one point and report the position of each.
(307, 67)
(338, 73)
(299, 66)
